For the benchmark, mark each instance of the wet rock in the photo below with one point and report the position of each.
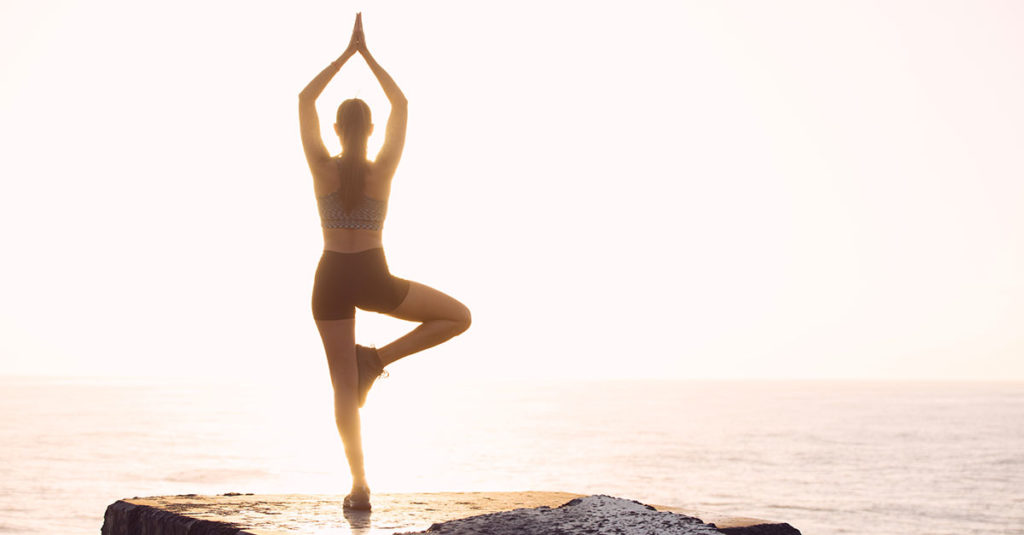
(446, 513)
(597, 514)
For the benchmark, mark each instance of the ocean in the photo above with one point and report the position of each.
(827, 457)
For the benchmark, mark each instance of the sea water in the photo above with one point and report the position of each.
(826, 457)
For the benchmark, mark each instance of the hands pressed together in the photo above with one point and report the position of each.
(356, 44)
(358, 41)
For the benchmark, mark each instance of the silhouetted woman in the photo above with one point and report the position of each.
(352, 195)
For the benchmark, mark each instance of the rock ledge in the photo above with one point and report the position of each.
(450, 513)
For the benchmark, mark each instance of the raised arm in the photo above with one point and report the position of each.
(394, 137)
(309, 122)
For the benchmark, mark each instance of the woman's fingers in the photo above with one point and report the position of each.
(359, 30)
(357, 33)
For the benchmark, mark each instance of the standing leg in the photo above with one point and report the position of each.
(442, 317)
(339, 342)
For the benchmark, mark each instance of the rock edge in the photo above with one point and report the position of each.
(447, 514)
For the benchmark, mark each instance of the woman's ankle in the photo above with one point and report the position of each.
(385, 356)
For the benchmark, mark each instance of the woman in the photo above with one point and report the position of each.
(352, 195)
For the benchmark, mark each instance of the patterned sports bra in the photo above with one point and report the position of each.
(367, 215)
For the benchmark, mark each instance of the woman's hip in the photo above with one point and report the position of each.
(362, 279)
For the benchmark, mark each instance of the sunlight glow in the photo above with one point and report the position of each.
(741, 190)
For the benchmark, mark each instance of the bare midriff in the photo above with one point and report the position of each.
(344, 240)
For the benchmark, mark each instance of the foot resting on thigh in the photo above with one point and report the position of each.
(370, 368)
(358, 499)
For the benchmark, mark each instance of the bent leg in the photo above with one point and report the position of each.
(339, 343)
(442, 317)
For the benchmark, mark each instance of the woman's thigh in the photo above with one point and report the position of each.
(339, 338)
(424, 303)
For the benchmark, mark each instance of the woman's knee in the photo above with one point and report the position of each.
(463, 319)
(346, 401)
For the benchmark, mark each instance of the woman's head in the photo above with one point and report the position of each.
(353, 126)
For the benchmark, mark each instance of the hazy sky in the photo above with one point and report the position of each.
(665, 189)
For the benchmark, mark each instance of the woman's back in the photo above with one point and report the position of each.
(359, 227)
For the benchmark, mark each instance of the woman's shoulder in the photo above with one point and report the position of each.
(380, 171)
(378, 182)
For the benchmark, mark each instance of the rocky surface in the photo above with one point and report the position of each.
(581, 516)
(432, 513)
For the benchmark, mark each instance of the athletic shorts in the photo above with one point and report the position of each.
(345, 281)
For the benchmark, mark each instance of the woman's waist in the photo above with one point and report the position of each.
(344, 240)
